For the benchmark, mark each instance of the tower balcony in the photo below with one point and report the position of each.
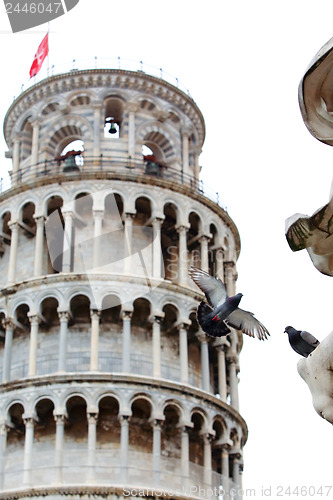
(147, 170)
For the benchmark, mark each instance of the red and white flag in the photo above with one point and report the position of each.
(40, 55)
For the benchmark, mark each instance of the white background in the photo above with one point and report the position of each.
(242, 62)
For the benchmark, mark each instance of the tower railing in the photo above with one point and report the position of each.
(105, 63)
(79, 167)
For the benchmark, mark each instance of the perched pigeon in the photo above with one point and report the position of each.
(302, 342)
(223, 311)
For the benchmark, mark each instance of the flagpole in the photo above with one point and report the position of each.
(48, 52)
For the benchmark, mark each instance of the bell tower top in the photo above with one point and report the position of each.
(104, 118)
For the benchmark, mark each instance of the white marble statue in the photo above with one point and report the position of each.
(317, 371)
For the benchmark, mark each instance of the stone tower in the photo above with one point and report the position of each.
(108, 385)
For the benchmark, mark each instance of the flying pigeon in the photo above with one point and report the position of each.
(223, 311)
(302, 342)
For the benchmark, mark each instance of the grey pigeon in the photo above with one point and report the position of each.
(302, 342)
(223, 311)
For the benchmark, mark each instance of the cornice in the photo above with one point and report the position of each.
(112, 78)
(125, 379)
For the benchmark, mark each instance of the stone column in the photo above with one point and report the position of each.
(225, 470)
(232, 360)
(126, 317)
(63, 317)
(98, 220)
(34, 321)
(207, 458)
(235, 471)
(124, 440)
(219, 264)
(35, 140)
(185, 456)
(132, 108)
(92, 422)
(97, 132)
(128, 235)
(231, 277)
(204, 253)
(3, 445)
(95, 315)
(13, 251)
(157, 428)
(183, 351)
(39, 245)
(221, 345)
(7, 355)
(156, 320)
(205, 378)
(185, 151)
(59, 446)
(157, 248)
(197, 166)
(28, 444)
(67, 248)
(182, 255)
(16, 160)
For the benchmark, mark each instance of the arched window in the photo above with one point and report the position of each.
(113, 117)
(170, 240)
(140, 429)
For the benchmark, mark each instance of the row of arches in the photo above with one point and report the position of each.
(195, 451)
(169, 239)
(47, 337)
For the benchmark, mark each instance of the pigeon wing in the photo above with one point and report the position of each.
(247, 323)
(213, 288)
(310, 339)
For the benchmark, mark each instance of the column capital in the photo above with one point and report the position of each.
(156, 317)
(185, 427)
(34, 317)
(183, 324)
(236, 453)
(98, 212)
(124, 417)
(60, 418)
(92, 417)
(126, 313)
(223, 444)
(202, 337)
(63, 314)
(8, 323)
(95, 313)
(204, 237)
(4, 428)
(157, 219)
(207, 436)
(128, 216)
(132, 107)
(39, 218)
(221, 344)
(13, 224)
(182, 227)
(232, 357)
(29, 420)
(157, 422)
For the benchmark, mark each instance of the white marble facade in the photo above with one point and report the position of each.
(107, 380)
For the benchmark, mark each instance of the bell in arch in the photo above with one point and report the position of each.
(113, 128)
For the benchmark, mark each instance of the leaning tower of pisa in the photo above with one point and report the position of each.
(109, 388)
